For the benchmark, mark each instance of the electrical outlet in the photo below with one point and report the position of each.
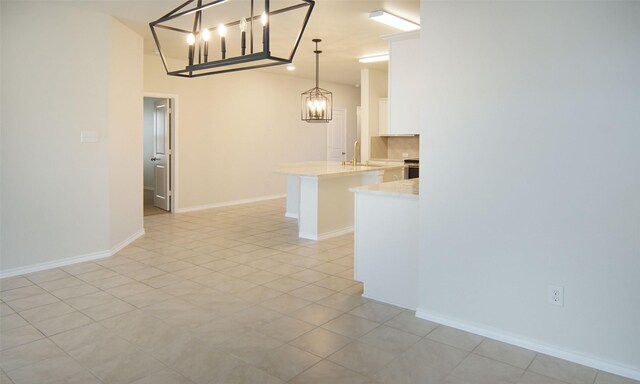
(556, 295)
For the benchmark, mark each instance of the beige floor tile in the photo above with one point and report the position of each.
(285, 303)
(350, 325)
(563, 370)
(285, 269)
(110, 309)
(163, 280)
(99, 274)
(427, 362)
(11, 321)
(129, 289)
(32, 302)
(336, 283)
(90, 300)
(182, 288)
(286, 328)
(19, 336)
(75, 291)
(328, 372)
(506, 353)
(128, 368)
(111, 282)
(47, 312)
(20, 292)
(342, 301)
(408, 322)
(28, 354)
(309, 276)
(5, 310)
(164, 377)
(362, 358)
(244, 374)
(48, 275)
(261, 277)
(455, 338)
(330, 268)
(63, 323)
(389, 339)
(285, 284)
(77, 269)
(284, 362)
(321, 342)
(316, 314)
(476, 369)
(534, 378)
(377, 312)
(312, 292)
(83, 337)
(146, 299)
(10, 283)
(608, 378)
(4, 378)
(57, 370)
(65, 282)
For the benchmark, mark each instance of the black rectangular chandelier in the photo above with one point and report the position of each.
(202, 38)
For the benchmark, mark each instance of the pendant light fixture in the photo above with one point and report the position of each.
(206, 37)
(317, 102)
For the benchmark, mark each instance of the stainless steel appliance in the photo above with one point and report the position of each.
(412, 170)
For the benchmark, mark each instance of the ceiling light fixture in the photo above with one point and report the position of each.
(189, 48)
(394, 21)
(291, 68)
(317, 102)
(374, 59)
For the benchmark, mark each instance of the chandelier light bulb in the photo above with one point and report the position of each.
(191, 39)
(206, 35)
(243, 24)
(222, 30)
(264, 19)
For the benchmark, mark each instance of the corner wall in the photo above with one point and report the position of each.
(530, 131)
(233, 129)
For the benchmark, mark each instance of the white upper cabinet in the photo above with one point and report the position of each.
(404, 91)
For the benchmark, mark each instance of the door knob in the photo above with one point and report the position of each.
(154, 159)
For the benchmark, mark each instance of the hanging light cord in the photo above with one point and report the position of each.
(317, 62)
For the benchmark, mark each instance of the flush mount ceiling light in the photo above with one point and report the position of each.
(394, 21)
(209, 37)
(317, 102)
(374, 59)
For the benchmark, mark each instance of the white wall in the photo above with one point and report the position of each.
(531, 133)
(233, 129)
(56, 190)
(374, 84)
(149, 109)
(125, 135)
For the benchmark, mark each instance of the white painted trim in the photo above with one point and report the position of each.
(326, 235)
(291, 215)
(387, 302)
(54, 264)
(149, 188)
(118, 247)
(71, 260)
(229, 203)
(532, 344)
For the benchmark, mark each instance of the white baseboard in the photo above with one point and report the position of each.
(291, 215)
(325, 235)
(228, 203)
(388, 302)
(116, 248)
(532, 344)
(70, 260)
(54, 264)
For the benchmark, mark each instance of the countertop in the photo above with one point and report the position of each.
(328, 169)
(403, 188)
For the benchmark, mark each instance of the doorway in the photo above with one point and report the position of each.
(337, 136)
(159, 156)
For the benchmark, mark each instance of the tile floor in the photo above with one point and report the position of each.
(231, 295)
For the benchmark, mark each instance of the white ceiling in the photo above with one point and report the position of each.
(343, 25)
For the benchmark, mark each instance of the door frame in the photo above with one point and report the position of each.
(346, 134)
(173, 133)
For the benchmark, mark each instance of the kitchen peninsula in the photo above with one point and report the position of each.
(386, 241)
(318, 194)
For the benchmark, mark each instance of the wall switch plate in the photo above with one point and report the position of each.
(89, 136)
(555, 295)
(405, 155)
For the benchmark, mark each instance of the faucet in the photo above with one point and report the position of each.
(354, 160)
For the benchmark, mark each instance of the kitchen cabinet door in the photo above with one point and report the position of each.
(404, 93)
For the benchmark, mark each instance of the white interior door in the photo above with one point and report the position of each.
(162, 154)
(337, 136)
